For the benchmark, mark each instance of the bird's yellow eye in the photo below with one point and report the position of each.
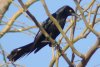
(70, 11)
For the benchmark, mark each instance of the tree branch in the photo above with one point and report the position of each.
(85, 21)
(14, 17)
(89, 54)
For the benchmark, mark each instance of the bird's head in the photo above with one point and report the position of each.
(66, 11)
(70, 11)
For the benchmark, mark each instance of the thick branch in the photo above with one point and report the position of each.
(89, 54)
(4, 5)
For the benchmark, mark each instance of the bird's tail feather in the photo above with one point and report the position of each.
(27, 49)
(21, 51)
(41, 46)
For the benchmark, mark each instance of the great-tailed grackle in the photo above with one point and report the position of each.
(40, 40)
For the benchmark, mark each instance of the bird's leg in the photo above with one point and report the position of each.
(59, 49)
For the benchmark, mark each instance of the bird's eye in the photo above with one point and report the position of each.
(70, 11)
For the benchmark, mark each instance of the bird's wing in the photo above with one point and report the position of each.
(47, 23)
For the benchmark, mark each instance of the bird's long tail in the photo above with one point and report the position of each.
(21, 51)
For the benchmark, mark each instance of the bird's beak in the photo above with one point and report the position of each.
(74, 14)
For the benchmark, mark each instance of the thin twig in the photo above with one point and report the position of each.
(4, 56)
(15, 16)
(73, 57)
(85, 21)
(64, 56)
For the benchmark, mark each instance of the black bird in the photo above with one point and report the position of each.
(40, 40)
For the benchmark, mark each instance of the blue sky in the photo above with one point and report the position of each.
(11, 41)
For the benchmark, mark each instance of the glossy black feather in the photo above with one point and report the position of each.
(40, 41)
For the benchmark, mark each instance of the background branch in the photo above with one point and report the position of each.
(89, 54)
